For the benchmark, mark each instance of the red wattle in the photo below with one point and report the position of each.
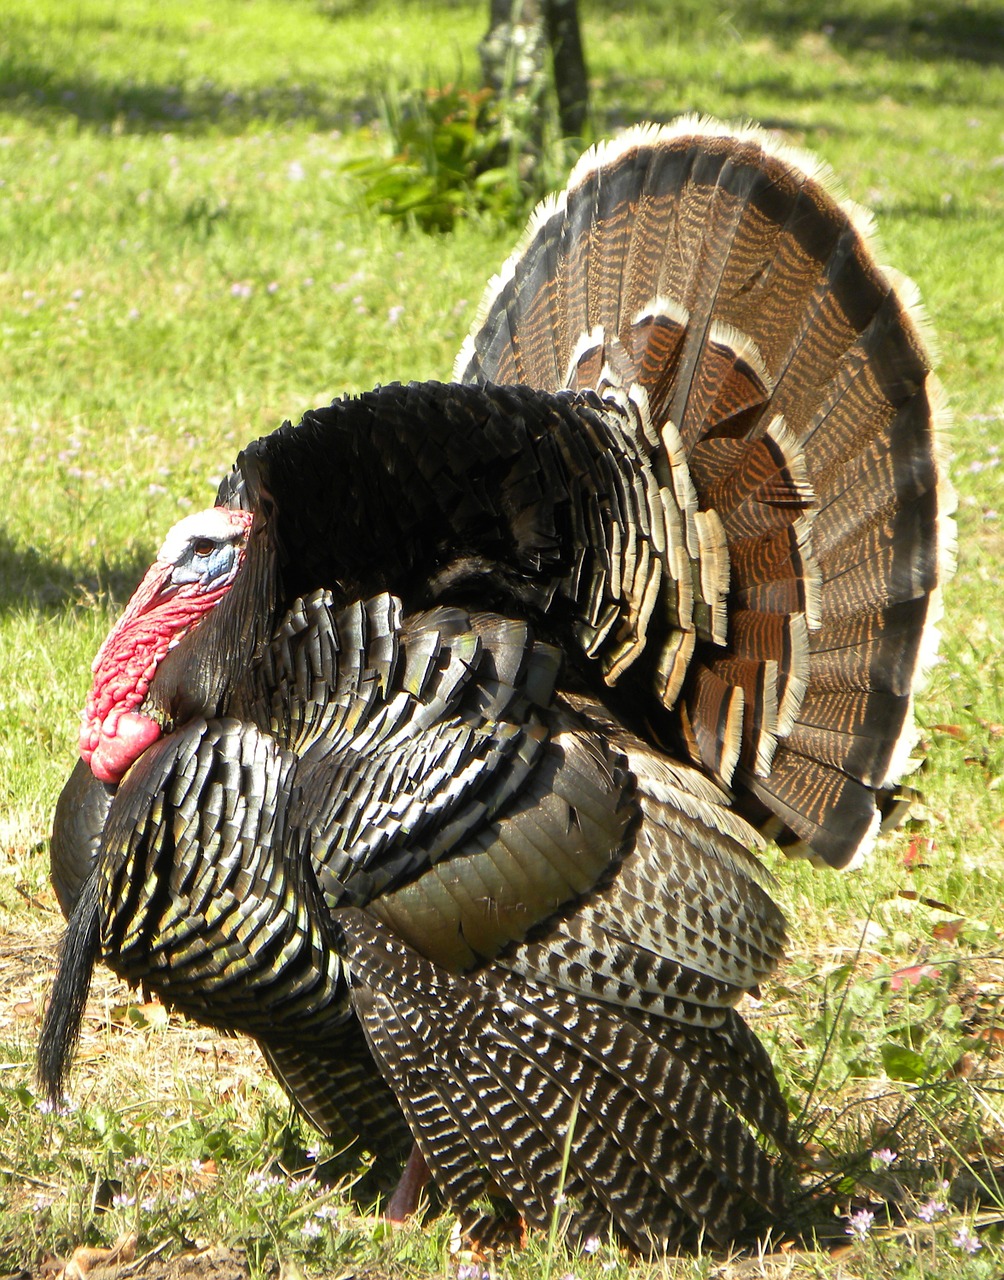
(121, 743)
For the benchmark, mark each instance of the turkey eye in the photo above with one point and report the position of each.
(203, 547)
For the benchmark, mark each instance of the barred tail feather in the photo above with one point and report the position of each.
(723, 279)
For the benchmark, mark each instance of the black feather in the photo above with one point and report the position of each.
(78, 953)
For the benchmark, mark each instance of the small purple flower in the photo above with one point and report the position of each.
(240, 289)
(49, 1108)
(394, 314)
(260, 1182)
(930, 1210)
(122, 1201)
(591, 1244)
(311, 1229)
(884, 1156)
(964, 1239)
(860, 1223)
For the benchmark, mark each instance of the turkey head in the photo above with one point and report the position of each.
(195, 568)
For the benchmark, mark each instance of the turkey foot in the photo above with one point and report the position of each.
(404, 1198)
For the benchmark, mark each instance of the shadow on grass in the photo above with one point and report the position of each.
(28, 580)
(967, 30)
(940, 29)
(37, 90)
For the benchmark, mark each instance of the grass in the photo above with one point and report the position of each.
(183, 263)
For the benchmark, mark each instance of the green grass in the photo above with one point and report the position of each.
(184, 263)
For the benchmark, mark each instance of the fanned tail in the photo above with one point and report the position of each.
(711, 279)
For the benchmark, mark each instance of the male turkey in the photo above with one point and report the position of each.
(435, 756)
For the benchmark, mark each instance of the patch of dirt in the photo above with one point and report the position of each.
(217, 1262)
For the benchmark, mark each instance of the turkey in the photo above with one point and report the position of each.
(436, 757)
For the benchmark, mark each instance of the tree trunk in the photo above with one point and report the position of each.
(512, 63)
(571, 81)
(512, 51)
(513, 56)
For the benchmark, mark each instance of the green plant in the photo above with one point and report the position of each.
(452, 155)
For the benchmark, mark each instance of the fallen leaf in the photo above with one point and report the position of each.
(953, 730)
(912, 895)
(85, 1259)
(963, 1067)
(991, 1036)
(948, 930)
(918, 848)
(912, 974)
(151, 1014)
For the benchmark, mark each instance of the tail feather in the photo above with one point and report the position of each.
(720, 280)
(833, 815)
(880, 651)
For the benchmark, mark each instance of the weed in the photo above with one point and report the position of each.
(453, 154)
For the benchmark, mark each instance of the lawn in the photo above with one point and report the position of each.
(184, 262)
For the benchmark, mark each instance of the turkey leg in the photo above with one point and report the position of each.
(404, 1198)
